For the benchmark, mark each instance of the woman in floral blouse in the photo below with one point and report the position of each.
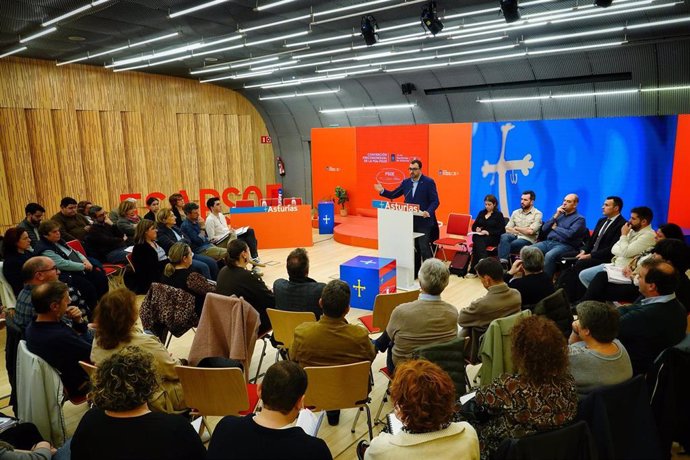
(541, 396)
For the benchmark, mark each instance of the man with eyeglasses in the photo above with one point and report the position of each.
(73, 226)
(104, 240)
(418, 189)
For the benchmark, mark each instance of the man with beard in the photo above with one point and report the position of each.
(522, 229)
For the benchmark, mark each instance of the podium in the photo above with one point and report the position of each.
(396, 239)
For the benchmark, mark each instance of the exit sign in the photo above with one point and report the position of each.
(266, 140)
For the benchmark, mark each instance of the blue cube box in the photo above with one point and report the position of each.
(368, 277)
(326, 218)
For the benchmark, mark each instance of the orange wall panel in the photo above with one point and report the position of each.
(450, 156)
(333, 162)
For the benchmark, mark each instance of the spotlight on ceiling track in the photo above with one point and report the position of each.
(510, 10)
(369, 26)
(430, 19)
(603, 3)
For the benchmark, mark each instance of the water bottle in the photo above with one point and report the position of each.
(280, 197)
(263, 203)
(293, 202)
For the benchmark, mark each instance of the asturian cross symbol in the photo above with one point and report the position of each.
(502, 167)
(367, 262)
(326, 219)
(359, 288)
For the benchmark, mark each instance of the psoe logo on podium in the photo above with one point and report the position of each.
(405, 207)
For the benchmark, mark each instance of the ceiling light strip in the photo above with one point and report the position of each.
(226, 65)
(276, 39)
(587, 94)
(196, 8)
(370, 108)
(296, 94)
(38, 34)
(267, 6)
(367, 11)
(121, 48)
(67, 15)
(14, 51)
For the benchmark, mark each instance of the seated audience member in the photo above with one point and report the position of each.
(169, 234)
(34, 216)
(332, 341)
(499, 301)
(16, 250)
(77, 270)
(564, 233)
(597, 249)
(153, 204)
(596, 357)
(116, 316)
(522, 228)
(127, 218)
(179, 273)
(73, 225)
(192, 230)
(528, 277)
(424, 398)
(83, 209)
(104, 240)
(489, 225)
(669, 230)
(58, 344)
(426, 320)
(637, 237)
(299, 292)
(122, 426)
(673, 251)
(270, 433)
(540, 396)
(655, 322)
(148, 258)
(217, 228)
(235, 279)
(176, 201)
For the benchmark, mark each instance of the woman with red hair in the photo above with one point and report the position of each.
(540, 396)
(424, 398)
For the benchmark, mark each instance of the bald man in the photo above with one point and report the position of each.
(564, 233)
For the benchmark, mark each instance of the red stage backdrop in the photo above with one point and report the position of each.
(384, 154)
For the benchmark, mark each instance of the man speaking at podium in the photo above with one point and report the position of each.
(418, 189)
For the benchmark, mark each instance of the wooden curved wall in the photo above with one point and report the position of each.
(89, 133)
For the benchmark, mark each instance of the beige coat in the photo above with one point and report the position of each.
(499, 301)
(169, 397)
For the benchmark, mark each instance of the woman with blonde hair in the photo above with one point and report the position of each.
(423, 395)
(116, 316)
(169, 233)
(121, 425)
(127, 218)
(181, 274)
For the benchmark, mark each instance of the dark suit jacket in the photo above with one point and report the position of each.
(166, 237)
(243, 283)
(613, 233)
(426, 196)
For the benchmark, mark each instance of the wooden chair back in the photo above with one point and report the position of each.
(285, 322)
(214, 391)
(338, 387)
(386, 303)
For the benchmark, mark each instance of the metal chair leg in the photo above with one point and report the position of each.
(352, 430)
(371, 431)
(383, 401)
(261, 360)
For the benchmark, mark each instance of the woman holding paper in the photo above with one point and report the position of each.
(423, 395)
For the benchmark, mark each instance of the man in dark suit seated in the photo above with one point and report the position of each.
(657, 320)
(58, 344)
(597, 249)
(418, 189)
(299, 293)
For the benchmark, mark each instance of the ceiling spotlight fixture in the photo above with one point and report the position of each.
(603, 3)
(369, 26)
(510, 10)
(430, 19)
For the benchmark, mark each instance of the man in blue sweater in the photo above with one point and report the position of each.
(564, 232)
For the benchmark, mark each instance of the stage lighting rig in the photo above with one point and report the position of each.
(430, 19)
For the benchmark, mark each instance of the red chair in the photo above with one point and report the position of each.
(457, 229)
